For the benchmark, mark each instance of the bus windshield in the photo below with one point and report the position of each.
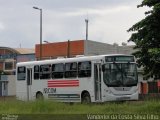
(120, 74)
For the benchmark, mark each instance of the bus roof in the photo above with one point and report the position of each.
(74, 59)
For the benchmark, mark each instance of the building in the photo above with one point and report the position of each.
(8, 59)
(79, 47)
(10, 56)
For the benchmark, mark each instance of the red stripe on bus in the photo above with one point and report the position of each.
(63, 81)
(63, 85)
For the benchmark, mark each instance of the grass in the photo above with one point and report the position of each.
(49, 110)
(50, 107)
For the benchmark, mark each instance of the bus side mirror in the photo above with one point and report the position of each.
(103, 68)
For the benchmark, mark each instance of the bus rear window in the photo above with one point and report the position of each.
(21, 73)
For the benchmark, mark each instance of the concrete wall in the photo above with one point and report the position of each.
(125, 50)
(11, 84)
(98, 48)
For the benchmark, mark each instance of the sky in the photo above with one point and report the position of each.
(64, 20)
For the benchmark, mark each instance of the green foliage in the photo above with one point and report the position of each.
(147, 39)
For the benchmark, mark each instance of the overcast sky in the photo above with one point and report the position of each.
(65, 19)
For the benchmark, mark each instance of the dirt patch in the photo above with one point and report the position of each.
(7, 98)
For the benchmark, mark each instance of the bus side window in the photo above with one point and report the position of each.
(21, 73)
(45, 71)
(36, 72)
(84, 69)
(58, 70)
(71, 70)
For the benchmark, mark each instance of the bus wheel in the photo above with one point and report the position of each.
(39, 96)
(86, 98)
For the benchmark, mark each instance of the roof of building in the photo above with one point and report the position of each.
(19, 50)
(25, 50)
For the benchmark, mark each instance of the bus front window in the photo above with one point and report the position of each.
(120, 74)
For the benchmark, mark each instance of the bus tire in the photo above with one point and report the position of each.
(86, 99)
(39, 96)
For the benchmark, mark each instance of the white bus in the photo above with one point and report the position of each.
(81, 79)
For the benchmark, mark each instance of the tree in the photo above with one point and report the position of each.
(146, 36)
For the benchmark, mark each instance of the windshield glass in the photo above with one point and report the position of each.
(120, 74)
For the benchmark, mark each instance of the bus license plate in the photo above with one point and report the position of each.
(123, 98)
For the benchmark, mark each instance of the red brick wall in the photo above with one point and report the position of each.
(1, 65)
(2, 52)
(60, 49)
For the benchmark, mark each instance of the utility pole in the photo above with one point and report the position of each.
(68, 49)
(86, 20)
(86, 46)
(40, 31)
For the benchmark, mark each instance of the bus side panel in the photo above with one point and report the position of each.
(87, 84)
(38, 86)
(21, 90)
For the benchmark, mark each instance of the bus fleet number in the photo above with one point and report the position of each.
(49, 90)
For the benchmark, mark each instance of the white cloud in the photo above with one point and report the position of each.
(102, 11)
(2, 27)
(111, 25)
(108, 20)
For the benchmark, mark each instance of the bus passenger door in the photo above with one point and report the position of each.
(97, 81)
(29, 83)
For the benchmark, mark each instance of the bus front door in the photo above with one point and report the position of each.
(97, 81)
(29, 83)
